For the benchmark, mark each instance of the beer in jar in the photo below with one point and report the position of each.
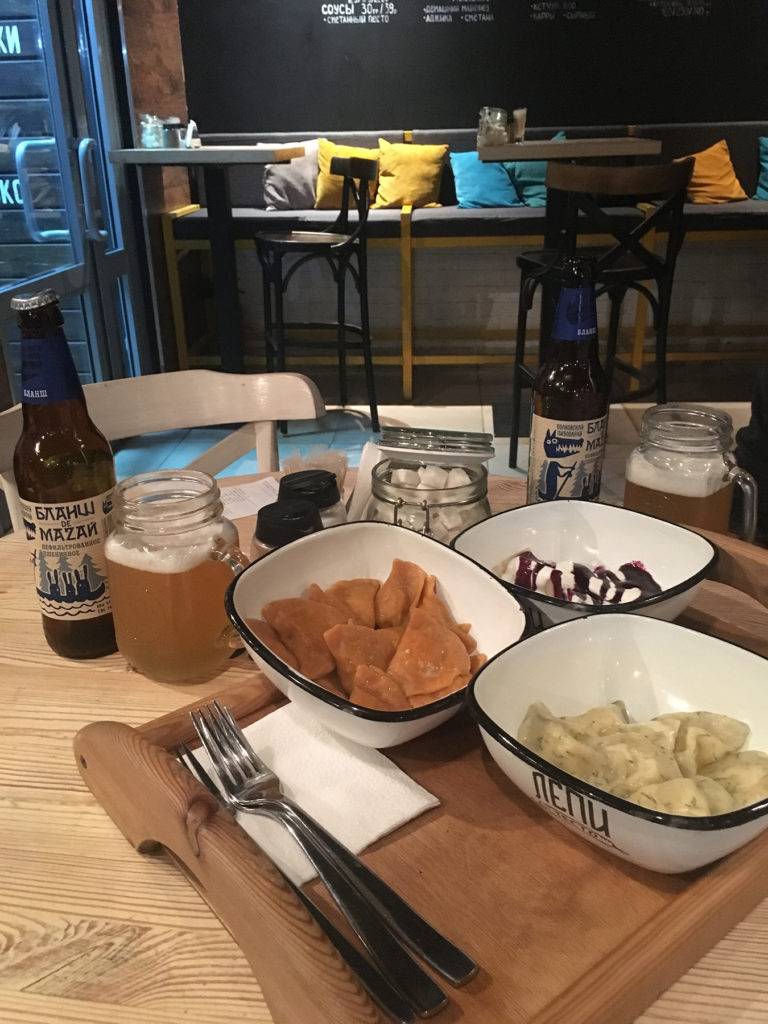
(64, 474)
(570, 397)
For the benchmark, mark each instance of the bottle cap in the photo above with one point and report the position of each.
(284, 521)
(34, 300)
(316, 485)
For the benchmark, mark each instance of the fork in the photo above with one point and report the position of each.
(260, 794)
(258, 780)
(375, 984)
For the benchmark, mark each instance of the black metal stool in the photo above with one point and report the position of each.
(625, 203)
(343, 247)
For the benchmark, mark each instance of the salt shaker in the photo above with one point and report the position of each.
(281, 522)
(321, 488)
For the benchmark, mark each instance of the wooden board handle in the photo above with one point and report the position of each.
(740, 565)
(154, 800)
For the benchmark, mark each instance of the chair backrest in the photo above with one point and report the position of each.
(596, 201)
(358, 173)
(185, 399)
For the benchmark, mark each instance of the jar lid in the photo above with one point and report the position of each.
(452, 447)
(36, 300)
(284, 521)
(319, 486)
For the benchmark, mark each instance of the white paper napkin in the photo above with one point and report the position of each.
(355, 792)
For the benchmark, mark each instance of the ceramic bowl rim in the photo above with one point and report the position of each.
(357, 710)
(603, 609)
(707, 823)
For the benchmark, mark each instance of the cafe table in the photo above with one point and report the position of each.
(214, 163)
(94, 932)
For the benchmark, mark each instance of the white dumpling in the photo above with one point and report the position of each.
(696, 798)
(554, 740)
(704, 737)
(598, 721)
(744, 775)
(640, 755)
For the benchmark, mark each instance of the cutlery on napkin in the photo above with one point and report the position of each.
(355, 792)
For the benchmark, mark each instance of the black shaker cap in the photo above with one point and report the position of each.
(286, 520)
(319, 486)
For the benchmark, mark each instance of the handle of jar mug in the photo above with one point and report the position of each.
(748, 487)
(236, 560)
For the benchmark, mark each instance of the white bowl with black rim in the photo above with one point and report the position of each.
(366, 550)
(655, 668)
(594, 535)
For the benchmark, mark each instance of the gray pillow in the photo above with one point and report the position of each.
(292, 186)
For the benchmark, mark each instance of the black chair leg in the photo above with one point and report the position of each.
(527, 288)
(341, 316)
(266, 287)
(365, 331)
(662, 328)
(616, 299)
(278, 328)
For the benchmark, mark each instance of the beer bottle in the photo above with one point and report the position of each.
(65, 474)
(570, 397)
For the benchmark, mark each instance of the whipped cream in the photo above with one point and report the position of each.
(577, 583)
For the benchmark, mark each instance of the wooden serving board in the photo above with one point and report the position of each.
(561, 930)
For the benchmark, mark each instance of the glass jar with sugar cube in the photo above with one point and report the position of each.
(437, 500)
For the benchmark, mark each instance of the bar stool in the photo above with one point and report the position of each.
(594, 200)
(343, 246)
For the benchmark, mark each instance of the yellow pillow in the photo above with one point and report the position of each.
(409, 174)
(329, 186)
(714, 179)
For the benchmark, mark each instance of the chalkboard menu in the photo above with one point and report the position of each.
(295, 65)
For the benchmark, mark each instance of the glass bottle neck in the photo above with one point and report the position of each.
(576, 315)
(48, 373)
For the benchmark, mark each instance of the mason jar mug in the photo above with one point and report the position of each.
(171, 557)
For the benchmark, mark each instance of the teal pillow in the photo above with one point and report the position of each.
(480, 184)
(528, 178)
(762, 183)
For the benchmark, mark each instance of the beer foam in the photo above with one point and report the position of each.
(690, 478)
(180, 552)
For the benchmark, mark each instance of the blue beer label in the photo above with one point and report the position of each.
(576, 316)
(47, 372)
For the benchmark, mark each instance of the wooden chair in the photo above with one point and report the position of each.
(185, 399)
(595, 201)
(344, 248)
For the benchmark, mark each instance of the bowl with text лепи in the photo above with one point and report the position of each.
(366, 550)
(592, 534)
(651, 668)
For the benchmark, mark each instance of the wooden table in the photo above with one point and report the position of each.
(95, 932)
(214, 162)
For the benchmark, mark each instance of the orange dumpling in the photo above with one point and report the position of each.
(398, 593)
(316, 593)
(436, 607)
(353, 645)
(373, 688)
(430, 657)
(359, 596)
(300, 624)
(264, 632)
